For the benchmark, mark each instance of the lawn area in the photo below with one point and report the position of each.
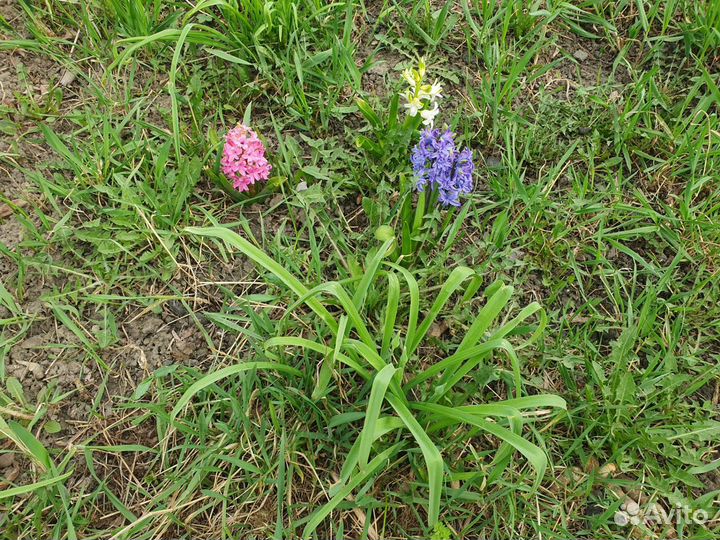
(341, 351)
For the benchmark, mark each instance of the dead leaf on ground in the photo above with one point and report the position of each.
(6, 210)
(438, 329)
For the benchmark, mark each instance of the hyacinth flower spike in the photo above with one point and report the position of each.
(243, 161)
(421, 97)
(440, 168)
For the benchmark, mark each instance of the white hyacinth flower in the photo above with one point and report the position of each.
(421, 98)
(435, 91)
(413, 105)
(429, 115)
(407, 74)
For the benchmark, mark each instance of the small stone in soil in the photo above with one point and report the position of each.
(493, 161)
(580, 55)
(7, 460)
(36, 369)
(176, 308)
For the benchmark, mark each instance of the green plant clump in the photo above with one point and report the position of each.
(398, 392)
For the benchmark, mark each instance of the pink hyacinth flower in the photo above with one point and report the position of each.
(243, 160)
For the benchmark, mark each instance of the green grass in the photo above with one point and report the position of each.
(314, 409)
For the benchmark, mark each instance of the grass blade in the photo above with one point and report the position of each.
(172, 90)
(486, 316)
(291, 341)
(414, 309)
(342, 493)
(328, 365)
(21, 490)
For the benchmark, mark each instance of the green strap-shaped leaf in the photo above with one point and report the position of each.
(357, 321)
(336, 289)
(440, 421)
(502, 458)
(369, 114)
(383, 425)
(370, 272)
(316, 291)
(486, 316)
(451, 364)
(212, 378)
(27, 443)
(369, 353)
(260, 257)
(431, 454)
(454, 280)
(527, 402)
(472, 288)
(59, 146)
(21, 490)
(451, 232)
(174, 107)
(328, 364)
(526, 312)
(202, 34)
(291, 341)
(414, 292)
(372, 413)
(534, 454)
(456, 375)
(391, 309)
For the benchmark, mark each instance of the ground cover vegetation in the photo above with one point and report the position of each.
(353, 344)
